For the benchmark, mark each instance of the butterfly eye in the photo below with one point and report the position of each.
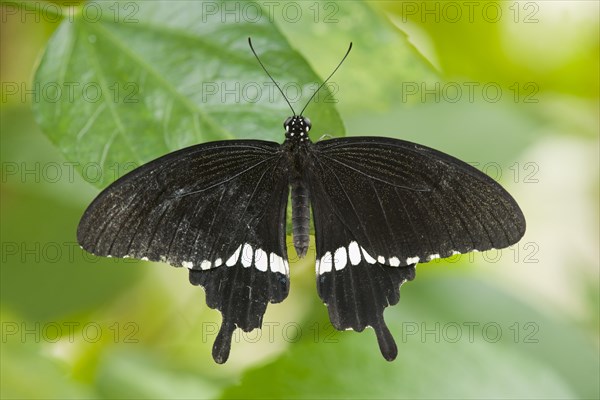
(307, 122)
(287, 122)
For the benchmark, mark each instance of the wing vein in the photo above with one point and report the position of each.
(385, 218)
(424, 189)
(228, 179)
(360, 220)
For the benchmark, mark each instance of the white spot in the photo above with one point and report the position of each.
(292, 134)
(261, 260)
(317, 262)
(125, 256)
(394, 262)
(367, 256)
(276, 263)
(326, 263)
(381, 260)
(475, 251)
(218, 262)
(273, 262)
(412, 260)
(234, 257)
(204, 265)
(109, 256)
(354, 253)
(247, 255)
(188, 264)
(287, 128)
(287, 267)
(143, 259)
(433, 256)
(340, 258)
(307, 128)
(454, 252)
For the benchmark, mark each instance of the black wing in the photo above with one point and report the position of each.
(217, 209)
(381, 203)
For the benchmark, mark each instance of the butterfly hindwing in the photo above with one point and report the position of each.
(380, 206)
(257, 273)
(217, 209)
(355, 287)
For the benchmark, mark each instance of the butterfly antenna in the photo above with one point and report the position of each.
(323, 84)
(263, 67)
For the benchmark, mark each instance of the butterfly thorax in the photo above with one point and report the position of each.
(296, 145)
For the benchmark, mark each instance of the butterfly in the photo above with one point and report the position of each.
(379, 206)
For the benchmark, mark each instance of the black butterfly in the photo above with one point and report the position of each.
(380, 206)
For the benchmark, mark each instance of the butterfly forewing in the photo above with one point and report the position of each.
(217, 209)
(409, 203)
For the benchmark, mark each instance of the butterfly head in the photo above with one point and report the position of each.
(297, 127)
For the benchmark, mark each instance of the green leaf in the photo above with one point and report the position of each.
(511, 43)
(132, 81)
(45, 275)
(490, 136)
(29, 372)
(382, 56)
(126, 374)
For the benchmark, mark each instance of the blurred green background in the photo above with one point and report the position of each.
(511, 87)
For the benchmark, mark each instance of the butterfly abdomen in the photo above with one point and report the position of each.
(300, 217)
